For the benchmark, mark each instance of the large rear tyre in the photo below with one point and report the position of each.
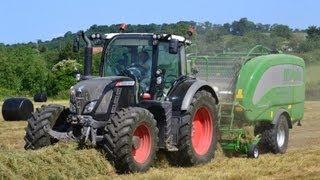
(197, 133)
(131, 140)
(275, 137)
(51, 116)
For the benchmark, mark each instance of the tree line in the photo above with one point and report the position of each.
(50, 66)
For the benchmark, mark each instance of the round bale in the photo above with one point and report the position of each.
(40, 97)
(17, 109)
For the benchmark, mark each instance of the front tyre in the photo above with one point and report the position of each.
(51, 116)
(197, 132)
(131, 140)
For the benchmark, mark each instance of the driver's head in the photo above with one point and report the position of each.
(143, 56)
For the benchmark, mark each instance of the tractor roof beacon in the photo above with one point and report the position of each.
(144, 98)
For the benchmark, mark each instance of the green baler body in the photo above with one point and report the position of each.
(269, 83)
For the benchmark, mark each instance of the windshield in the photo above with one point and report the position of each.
(130, 56)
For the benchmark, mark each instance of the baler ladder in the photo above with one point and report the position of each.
(226, 115)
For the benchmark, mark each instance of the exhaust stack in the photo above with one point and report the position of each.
(87, 55)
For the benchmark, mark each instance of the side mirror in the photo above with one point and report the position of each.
(173, 46)
(76, 45)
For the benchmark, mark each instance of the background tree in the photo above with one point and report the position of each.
(67, 52)
(242, 26)
(63, 77)
(313, 33)
(279, 30)
(22, 69)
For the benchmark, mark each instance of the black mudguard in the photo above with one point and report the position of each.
(182, 93)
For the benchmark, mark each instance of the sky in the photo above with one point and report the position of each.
(29, 20)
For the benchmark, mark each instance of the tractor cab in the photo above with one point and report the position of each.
(144, 66)
(154, 61)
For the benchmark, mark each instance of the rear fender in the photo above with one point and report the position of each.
(279, 113)
(198, 86)
(182, 95)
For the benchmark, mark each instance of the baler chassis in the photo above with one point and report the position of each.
(235, 141)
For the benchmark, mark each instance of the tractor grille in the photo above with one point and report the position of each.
(79, 100)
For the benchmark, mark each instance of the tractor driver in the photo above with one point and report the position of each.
(145, 63)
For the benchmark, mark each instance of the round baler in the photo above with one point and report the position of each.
(261, 95)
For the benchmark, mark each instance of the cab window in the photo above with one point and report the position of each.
(168, 63)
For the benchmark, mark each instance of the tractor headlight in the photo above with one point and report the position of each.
(72, 106)
(72, 91)
(89, 107)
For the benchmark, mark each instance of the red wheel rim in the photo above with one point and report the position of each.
(201, 135)
(141, 151)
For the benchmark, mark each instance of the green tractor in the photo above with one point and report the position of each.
(147, 97)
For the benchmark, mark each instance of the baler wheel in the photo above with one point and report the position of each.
(253, 151)
(275, 137)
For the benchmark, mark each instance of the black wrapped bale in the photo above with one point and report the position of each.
(40, 97)
(17, 109)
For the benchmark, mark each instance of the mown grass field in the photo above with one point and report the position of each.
(312, 73)
(66, 161)
(313, 82)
